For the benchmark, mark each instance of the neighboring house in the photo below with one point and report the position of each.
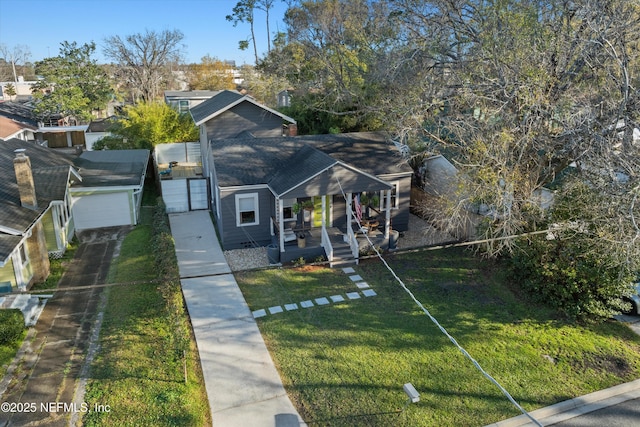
(257, 182)
(184, 100)
(58, 132)
(47, 195)
(10, 129)
(35, 210)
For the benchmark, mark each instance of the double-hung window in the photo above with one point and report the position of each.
(247, 209)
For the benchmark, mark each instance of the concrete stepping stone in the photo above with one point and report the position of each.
(348, 270)
(290, 307)
(306, 304)
(259, 313)
(276, 309)
(353, 295)
(362, 285)
(322, 301)
(337, 298)
(355, 278)
(369, 293)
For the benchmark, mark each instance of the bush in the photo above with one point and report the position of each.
(567, 276)
(11, 326)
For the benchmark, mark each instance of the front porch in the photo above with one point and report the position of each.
(340, 250)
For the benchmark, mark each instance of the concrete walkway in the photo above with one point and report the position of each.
(242, 383)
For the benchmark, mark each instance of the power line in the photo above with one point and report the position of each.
(435, 321)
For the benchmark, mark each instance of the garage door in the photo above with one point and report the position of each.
(101, 210)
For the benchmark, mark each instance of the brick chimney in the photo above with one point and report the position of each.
(24, 177)
(36, 242)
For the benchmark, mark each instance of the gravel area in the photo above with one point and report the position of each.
(246, 259)
(420, 233)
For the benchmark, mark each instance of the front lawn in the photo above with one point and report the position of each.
(139, 371)
(346, 363)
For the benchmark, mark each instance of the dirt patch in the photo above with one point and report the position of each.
(309, 268)
(602, 363)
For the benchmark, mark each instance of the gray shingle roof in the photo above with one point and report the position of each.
(281, 161)
(306, 163)
(214, 104)
(111, 167)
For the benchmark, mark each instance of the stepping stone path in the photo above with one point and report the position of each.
(355, 278)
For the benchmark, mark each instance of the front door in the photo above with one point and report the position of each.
(317, 211)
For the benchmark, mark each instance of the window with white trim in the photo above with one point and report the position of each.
(22, 253)
(247, 209)
(394, 196)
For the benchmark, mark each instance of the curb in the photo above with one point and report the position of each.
(575, 407)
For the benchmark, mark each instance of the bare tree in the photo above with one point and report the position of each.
(144, 59)
(19, 54)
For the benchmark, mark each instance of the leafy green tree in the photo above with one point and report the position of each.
(72, 83)
(148, 124)
(10, 90)
(329, 55)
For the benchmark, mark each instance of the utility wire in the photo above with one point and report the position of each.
(435, 321)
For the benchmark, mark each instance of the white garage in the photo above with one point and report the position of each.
(109, 191)
(98, 210)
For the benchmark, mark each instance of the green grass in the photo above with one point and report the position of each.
(345, 364)
(139, 372)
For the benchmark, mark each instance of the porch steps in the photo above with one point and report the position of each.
(342, 255)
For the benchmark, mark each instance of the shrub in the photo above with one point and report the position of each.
(11, 326)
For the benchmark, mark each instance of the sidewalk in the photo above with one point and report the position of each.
(242, 383)
(580, 406)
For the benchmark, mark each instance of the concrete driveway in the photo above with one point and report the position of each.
(243, 385)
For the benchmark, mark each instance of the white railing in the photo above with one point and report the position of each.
(326, 244)
(355, 250)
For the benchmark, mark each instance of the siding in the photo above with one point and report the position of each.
(234, 237)
(7, 274)
(244, 117)
(49, 231)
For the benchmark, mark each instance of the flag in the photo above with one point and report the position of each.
(356, 202)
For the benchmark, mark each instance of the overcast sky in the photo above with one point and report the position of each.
(42, 25)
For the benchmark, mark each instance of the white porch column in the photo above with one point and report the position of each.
(387, 220)
(324, 211)
(280, 224)
(349, 215)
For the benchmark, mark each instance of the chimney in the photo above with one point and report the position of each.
(293, 129)
(24, 177)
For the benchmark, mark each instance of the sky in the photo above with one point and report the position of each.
(42, 25)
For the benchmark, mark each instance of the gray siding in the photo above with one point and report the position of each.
(244, 117)
(234, 237)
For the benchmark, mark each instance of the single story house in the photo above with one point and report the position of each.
(258, 184)
(46, 195)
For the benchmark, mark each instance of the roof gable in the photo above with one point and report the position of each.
(224, 101)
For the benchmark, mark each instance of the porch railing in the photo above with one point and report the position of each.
(326, 244)
(355, 250)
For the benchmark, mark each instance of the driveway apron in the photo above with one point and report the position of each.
(50, 360)
(242, 383)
